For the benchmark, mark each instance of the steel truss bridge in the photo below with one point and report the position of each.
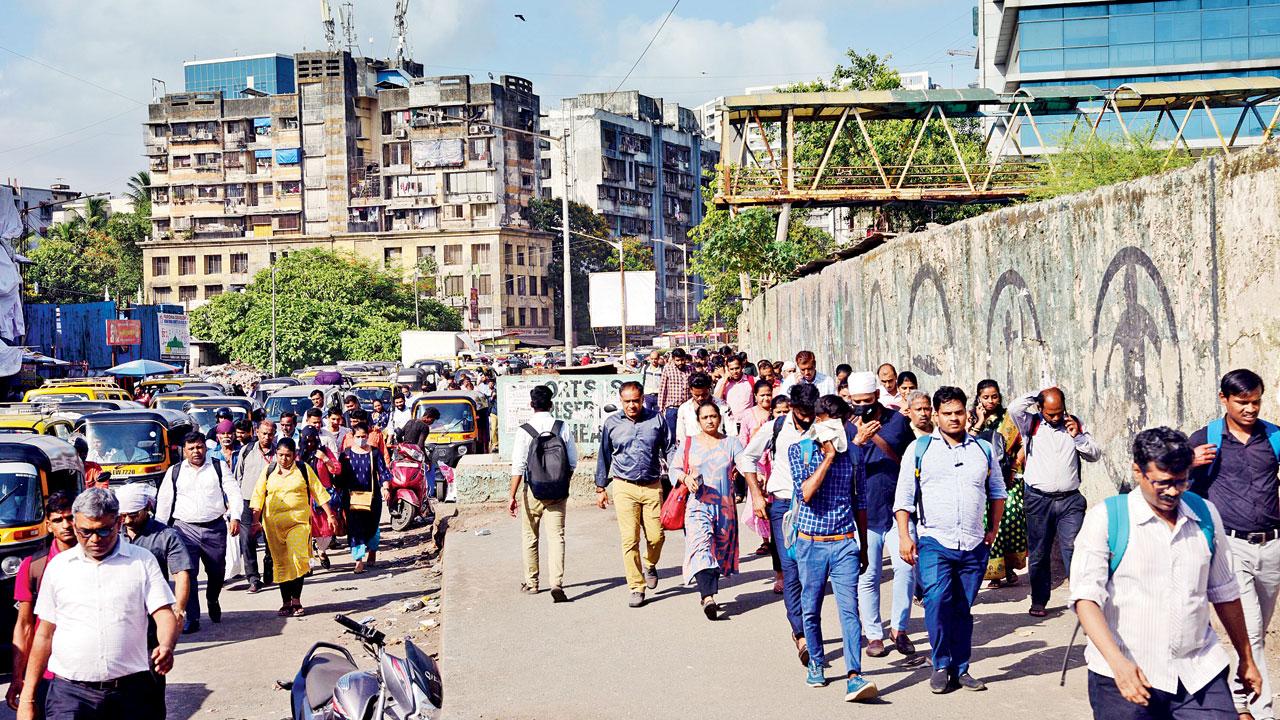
(758, 136)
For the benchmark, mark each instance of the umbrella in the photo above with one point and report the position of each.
(141, 368)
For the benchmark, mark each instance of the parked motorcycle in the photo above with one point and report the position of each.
(329, 685)
(412, 474)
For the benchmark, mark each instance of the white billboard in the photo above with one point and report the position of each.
(606, 299)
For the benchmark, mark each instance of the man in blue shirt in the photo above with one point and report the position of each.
(958, 482)
(831, 520)
(879, 461)
(633, 443)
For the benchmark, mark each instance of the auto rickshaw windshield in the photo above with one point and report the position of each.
(115, 443)
(206, 418)
(279, 405)
(21, 500)
(368, 394)
(455, 417)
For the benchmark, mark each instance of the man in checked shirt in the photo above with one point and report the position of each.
(831, 543)
(673, 390)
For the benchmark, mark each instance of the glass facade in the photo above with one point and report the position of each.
(271, 74)
(1140, 34)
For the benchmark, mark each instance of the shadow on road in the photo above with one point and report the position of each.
(183, 700)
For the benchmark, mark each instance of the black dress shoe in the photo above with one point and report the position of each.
(215, 611)
(254, 587)
(969, 682)
(939, 681)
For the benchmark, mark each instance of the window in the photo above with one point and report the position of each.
(544, 291)
(533, 285)
(520, 286)
(510, 316)
(289, 222)
(426, 251)
(291, 187)
(526, 181)
(480, 254)
(509, 285)
(289, 123)
(162, 294)
(469, 182)
(211, 291)
(453, 212)
(520, 255)
(480, 211)
(395, 154)
(239, 262)
(453, 285)
(187, 265)
(207, 192)
(159, 266)
(452, 254)
(186, 293)
(544, 318)
(522, 317)
(212, 264)
(479, 149)
(391, 257)
(182, 161)
(484, 284)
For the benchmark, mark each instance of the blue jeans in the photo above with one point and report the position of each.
(670, 416)
(951, 581)
(869, 585)
(1211, 702)
(837, 561)
(790, 577)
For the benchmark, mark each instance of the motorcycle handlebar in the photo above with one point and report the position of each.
(364, 632)
(348, 623)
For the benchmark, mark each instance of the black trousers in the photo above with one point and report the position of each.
(1211, 702)
(708, 582)
(136, 697)
(1048, 518)
(291, 590)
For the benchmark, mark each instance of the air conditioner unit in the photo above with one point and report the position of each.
(402, 133)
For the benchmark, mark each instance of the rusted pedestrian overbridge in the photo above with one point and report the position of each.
(769, 141)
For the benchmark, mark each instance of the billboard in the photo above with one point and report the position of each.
(578, 400)
(124, 332)
(175, 338)
(606, 299)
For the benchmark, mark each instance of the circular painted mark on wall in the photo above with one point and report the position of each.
(1015, 346)
(929, 330)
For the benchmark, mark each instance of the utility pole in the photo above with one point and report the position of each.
(684, 254)
(622, 285)
(564, 227)
(271, 257)
(417, 317)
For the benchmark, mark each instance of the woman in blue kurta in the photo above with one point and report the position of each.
(705, 465)
(363, 471)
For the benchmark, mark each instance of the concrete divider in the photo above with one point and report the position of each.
(487, 479)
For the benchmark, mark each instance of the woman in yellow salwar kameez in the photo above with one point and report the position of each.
(282, 502)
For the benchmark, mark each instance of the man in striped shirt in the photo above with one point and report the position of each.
(673, 389)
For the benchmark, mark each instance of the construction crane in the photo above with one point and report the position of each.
(402, 29)
(326, 20)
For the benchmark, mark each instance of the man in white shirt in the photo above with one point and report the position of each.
(547, 500)
(887, 374)
(401, 414)
(807, 373)
(687, 413)
(1055, 443)
(652, 378)
(778, 487)
(93, 607)
(195, 498)
(1144, 602)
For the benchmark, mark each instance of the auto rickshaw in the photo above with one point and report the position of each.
(146, 389)
(36, 419)
(77, 389)
(369, 390)
(456, 433)
(204, 410)
(176, 400)
(136, 445)
(416, 379)
(270, 385)
(32, 467)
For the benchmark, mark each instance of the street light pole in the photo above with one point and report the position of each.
(417, 317)
(622, 285)
(271, 257)
(564, 227)
(684, 255)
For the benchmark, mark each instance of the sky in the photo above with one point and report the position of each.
(75, 77)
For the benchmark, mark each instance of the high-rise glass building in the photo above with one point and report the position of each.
(270, 74)
(1030, 43)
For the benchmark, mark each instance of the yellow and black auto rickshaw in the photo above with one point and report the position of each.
(136, 445)
(456, 433)
(32, 467)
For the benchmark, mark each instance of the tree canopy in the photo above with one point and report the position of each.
(329, 307)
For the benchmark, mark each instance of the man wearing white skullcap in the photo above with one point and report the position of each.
(137, 501)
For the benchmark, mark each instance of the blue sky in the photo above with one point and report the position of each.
(73, 107)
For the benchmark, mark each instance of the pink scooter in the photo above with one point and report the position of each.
(411, 475)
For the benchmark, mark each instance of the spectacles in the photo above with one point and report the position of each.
(1179, 484)
(102, 533)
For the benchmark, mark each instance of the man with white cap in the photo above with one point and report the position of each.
(880, 458)
(137, 501)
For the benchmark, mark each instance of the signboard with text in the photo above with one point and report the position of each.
(175, 337)
(124, 332)
(578, 400)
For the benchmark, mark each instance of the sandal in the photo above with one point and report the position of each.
(298, 611)
(995, 584)
(284, 610)
(359, 568)
(763, 549)
(777, 586)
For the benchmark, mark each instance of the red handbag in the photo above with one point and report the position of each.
(674, 506)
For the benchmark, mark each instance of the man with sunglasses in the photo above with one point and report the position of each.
(93, 608)
(1143, 595)
(58, 522)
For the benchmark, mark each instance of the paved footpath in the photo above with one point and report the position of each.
(507, 655)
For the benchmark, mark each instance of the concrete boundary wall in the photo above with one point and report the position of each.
(1134, 298)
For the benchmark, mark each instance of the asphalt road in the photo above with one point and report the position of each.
(507, 655)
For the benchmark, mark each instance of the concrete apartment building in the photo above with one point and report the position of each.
(640, 162)
(362, 158)
(1039, 43)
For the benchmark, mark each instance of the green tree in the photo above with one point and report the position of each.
(140, 192)
(585, 255)
(1084, 163)
(328, 307)
(93, 216)
(637, 254)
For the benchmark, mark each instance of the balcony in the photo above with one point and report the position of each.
(157, 146)
(235, 141)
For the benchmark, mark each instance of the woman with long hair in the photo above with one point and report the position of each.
(759, 416)
(989, 421)
(363, 481)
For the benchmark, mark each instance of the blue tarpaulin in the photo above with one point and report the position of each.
(42, 327)
(262, 154)
(83, 335)
(287, 156)
(262, 122)
(150, 347)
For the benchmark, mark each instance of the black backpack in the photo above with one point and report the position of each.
(547, 470)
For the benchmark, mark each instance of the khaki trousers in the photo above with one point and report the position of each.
(532, 516)
(639, 508)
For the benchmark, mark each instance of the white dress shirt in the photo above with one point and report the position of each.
(780, 483)
(100, 610)
(825, 383)
(1053, 464)
(400, 418)
(201, 498)
(687, 421)
(542, 422)
(1157, 603)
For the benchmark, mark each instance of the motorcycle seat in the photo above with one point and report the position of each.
(322, 675)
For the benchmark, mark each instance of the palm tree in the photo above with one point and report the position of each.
(140, 192)
(93, 216)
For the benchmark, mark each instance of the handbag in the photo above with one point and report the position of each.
(674, 506)
(361, 500)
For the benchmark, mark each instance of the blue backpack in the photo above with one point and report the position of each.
(922, 447)
(1118, 525)
(1217, 427)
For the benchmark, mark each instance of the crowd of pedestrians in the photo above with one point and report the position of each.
(834, 471)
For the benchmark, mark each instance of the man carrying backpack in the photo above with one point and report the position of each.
(543, 457)
(1235, 467)
(1146, 567)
